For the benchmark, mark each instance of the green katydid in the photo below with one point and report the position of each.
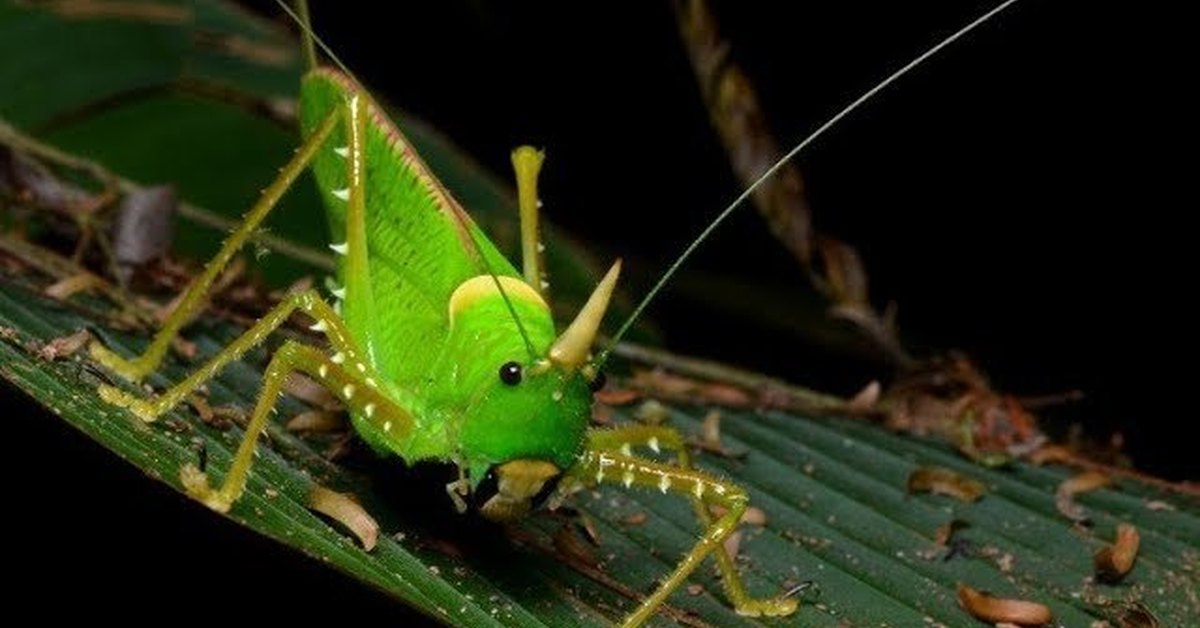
(440, 348)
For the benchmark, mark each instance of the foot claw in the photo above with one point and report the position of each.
(141, 408)
(777, 607)
(195, 482)
(129, 370)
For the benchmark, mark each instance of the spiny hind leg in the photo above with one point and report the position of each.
(309, 301)
(193, 300)
(606, 465)
(344, 379)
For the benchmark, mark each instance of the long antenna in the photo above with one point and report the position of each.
(737, 202)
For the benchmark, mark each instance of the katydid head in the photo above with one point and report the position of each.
(528, 412)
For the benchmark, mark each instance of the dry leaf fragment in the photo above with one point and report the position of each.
(149, 12)
(200, 405)
(570, 543)
(617, 396)
(710, 431)
(635, 519)
(660, 383)
(316, 422)
(142, 229)
(866, 398)
(942, 481)
(651, 412)
(63, 289)
(343, 509)
(754, 516)
(999, 610)
(709, 439)
(1047, 454)
(310, 392)
(1136, 615)
(64, 346)
(733, 543)
(1064, 497)
(946, 531)
(1116, 560)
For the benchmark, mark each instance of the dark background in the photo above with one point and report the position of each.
(1021, 197)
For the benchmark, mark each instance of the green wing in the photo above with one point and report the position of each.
(421, 243)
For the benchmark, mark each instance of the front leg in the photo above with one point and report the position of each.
(599, 465)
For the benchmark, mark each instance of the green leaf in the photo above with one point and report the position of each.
(833, 492)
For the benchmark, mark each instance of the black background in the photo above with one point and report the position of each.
(1021, 197)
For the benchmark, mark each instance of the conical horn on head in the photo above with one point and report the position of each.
(571, 348)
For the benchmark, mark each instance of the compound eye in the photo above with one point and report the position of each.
(598, 381)
(510, 373)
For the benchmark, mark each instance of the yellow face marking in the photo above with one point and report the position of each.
(474, 289)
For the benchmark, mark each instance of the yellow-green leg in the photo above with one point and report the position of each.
(609, 459)
(137, 368)
(343, 377)
(308, 301)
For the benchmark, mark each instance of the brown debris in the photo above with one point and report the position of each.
(739, 121)
(754, 516)
(316, 422)
(310, 392)
(200, 405)
(1116, 560)
(240, 47)
(733, 543)
(710, 432)
(942, 481)
(184, 348)
(617, 396)
(221, 418)
(998, 610)
(150, 12)
(635, 519)
(142, 229)
(64, 346)
(660, 383)
(1136, 615)
(762, 391)
(946, 531)
(63, 289)
(1064, 496)
(866, 398)
(1050, 454)
(569, 542)
(342, 508)
(710, 437)
(949, 398)
(651, 412)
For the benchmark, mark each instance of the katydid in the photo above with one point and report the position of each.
(440, 348)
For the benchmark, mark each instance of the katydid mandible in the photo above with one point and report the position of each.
(439, 348)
